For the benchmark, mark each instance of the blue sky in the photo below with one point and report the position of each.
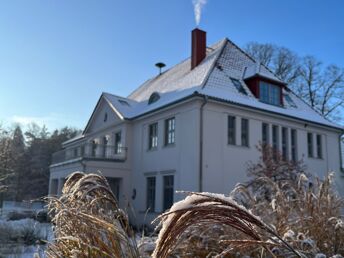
(56, 57)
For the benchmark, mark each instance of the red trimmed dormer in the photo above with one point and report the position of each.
(265, 89)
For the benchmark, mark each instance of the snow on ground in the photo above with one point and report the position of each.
(16, 235)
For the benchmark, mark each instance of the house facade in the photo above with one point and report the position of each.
(194, 128)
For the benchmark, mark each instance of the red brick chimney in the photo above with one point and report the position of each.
(198, 47)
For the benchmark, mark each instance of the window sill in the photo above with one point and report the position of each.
(316, 158)
(152, 149)
(171, 145)
(240, 146)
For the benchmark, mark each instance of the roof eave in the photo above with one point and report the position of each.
(260, 76)
(339, 129)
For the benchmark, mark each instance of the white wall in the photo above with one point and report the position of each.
(180, 160)
(225, 165)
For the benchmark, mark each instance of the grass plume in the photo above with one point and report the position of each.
(88, 221)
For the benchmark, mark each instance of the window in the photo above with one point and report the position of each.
(105, 145)
(151, 194)
(82, 151)
(168, 192)
(310, 144)
(118, 143)
(238, 86)
(94, 148)
(275, 137)
(265, 134)
(105, 117)
(153, 136)
(114, 184)
(75, 152)
(153, 98)
(54, 183)
(231, 130)
(170, 126)
(289, 100)
(244, 132)
(293, 145)
(270, 93)
(319, 146)
(284, 143)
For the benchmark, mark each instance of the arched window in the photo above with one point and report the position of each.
(153, 98)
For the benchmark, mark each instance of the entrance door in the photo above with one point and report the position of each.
(114, 185)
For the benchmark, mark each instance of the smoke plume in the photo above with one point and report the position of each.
(198, 5)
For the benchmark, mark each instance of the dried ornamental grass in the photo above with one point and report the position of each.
(201, 209)
(88, 221)
(306, 212)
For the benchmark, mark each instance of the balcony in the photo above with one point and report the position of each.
(91, 152)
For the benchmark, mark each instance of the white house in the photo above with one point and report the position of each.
(194, 127)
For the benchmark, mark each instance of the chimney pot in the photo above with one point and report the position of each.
(198, 47)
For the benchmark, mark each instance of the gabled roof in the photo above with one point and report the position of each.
(213, 77)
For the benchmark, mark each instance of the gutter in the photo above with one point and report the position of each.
(197, 94)
(272, 112)
(200, 181)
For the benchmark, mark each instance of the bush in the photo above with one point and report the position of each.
(42, 216)
(30, 233)
(16, 215)
(27, 232)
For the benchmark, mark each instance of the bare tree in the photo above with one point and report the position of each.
(282, 61)
(322, 87)
(263, 53)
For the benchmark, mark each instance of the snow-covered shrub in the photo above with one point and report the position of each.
(18, 215)
(25, 231)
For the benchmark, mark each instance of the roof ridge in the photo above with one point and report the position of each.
(206, 77)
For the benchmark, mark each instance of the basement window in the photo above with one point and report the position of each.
(153, 98)
(238, 86)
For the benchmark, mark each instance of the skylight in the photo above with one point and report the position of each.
(239, 86)
(153, 98)
(289, 100)
(123, 102)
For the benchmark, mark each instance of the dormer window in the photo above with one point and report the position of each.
(153, 98)
(270, 93)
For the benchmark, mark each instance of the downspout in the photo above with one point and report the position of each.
(205, 100)
(340, 154)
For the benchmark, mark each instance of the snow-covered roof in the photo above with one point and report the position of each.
(213, 77)
(260, 70)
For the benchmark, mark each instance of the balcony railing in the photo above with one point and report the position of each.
(91, 151)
